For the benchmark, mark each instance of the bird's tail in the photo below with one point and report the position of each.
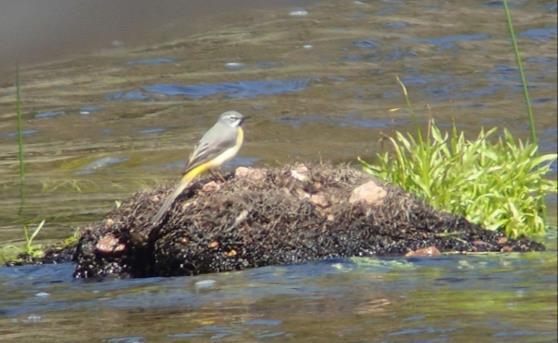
(184, 182)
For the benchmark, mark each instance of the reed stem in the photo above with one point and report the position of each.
(519, 62)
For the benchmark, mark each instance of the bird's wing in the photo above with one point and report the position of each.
(214, 142)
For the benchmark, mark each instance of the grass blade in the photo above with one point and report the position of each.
(521, 74)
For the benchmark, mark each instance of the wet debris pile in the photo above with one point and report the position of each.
(258, 217)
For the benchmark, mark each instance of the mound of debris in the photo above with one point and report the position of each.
(258, 217)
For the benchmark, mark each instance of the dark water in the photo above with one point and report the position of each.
(318, 82)
(454, 298)
(33, 31)
(238, 89)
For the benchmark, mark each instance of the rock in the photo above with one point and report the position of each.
(301, 194)
(369, 193)
(253, 174)
(109, 244)
(479, 243)
(279, 220)
(298, 176)
(430, 251)
(211, 187)
(300, 173)
(301, 168)
(506, 248)
(319, 200)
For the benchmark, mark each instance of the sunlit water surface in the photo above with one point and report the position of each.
(445, 299)
(318, 83)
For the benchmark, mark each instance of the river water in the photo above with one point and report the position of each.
(105, 120)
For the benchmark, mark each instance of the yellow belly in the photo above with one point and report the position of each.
(218, 160)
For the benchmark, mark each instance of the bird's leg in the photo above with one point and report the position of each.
(217, 174)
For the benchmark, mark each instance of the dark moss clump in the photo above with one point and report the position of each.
(260, 217)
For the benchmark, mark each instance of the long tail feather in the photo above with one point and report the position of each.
(184, 182)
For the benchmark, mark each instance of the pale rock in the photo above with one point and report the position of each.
(211, 187)
(109, 244)
(301, 168)
(300, 173)
(301, 194)
(430, 251)
(369, 193)
(253, 174)
(319, 200)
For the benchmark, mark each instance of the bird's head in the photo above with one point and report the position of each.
(231, 118)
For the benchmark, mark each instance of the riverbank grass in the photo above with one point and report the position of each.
(30, 248)
(497, 182)
(13, 252)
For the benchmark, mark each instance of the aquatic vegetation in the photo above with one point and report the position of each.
(101, 163)
(30, 249)
(519, 63)
(90, 164)
(71, 184)
(72, 240)
(498, 184)
(14, 253)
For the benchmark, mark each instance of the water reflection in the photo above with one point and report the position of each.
(239, 89)
(430, 298)
(150, 61)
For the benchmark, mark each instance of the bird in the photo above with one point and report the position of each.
(218, 145)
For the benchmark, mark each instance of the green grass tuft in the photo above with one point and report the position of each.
(498, 184)
(12, 252)
(31, 249)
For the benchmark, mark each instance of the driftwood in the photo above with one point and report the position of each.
(259, 217)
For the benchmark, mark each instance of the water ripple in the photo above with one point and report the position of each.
(239, 89)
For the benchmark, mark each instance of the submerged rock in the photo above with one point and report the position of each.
(258, 217)
(430, 251)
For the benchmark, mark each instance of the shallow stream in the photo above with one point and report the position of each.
(318, 83)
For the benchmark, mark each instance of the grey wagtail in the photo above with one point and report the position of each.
(218, 145)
